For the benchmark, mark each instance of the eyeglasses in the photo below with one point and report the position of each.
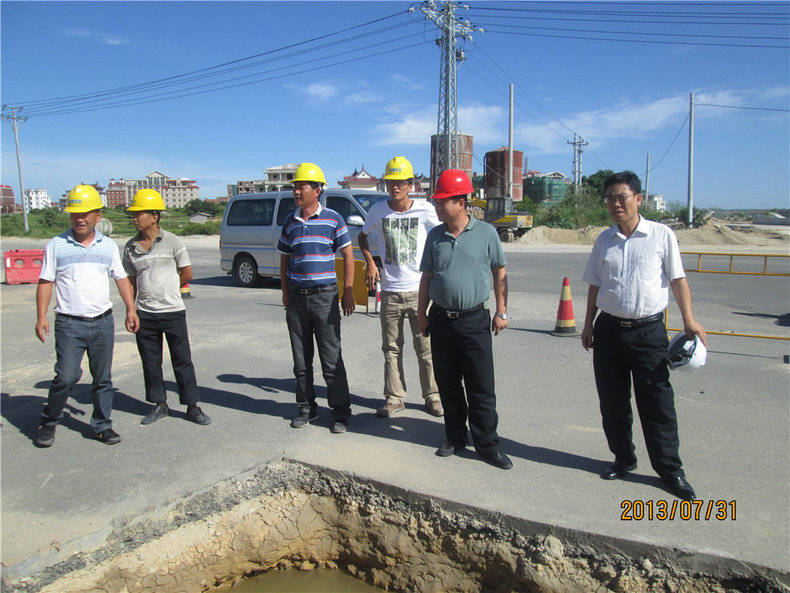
(398, 182)
(618, 198)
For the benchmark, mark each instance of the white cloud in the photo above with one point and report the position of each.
(484, 122)
(100, 36)
(402, 81)
(634, 120)
(361, 97)
(321, 90)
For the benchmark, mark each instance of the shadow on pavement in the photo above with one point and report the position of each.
(212, 281)
(782, 320)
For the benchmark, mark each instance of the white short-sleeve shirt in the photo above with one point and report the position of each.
(401, 242)
(81, 274)
(633, 274)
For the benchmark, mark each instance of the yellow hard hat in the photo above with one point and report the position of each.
(147, 199)
(309, 172)
(399, 168)
(83, 198)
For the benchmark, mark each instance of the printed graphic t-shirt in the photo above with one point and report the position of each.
(401, 241)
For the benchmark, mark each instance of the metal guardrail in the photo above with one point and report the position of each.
(699, 269)
(732, 257)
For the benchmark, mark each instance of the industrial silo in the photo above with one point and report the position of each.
(496, 173)
(465, 155)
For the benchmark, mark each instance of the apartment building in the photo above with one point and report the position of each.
(37, 198)
(175, 192)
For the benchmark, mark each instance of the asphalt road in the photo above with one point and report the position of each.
(734, 419)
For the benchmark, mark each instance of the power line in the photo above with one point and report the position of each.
(627, 20)
(533, 100)
(208, 68)
(220, 85)
(742, 107)
(96, 98)
(637, 40)
(671, 144)
(609, 32)
(719, 14)
(182, 92)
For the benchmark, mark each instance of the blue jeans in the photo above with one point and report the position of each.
(318, 315)
(73, 338)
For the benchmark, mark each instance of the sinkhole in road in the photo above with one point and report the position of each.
(288, 515)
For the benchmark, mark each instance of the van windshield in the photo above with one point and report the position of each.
(367, 200)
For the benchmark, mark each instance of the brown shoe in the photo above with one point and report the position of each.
(434, 407)
(390, 409)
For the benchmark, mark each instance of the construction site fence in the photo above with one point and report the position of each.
(731, 270)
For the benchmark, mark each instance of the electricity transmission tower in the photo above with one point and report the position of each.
(578, 147)
(442, 14)
(14, 118)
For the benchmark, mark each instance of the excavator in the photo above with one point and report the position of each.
(509, 223)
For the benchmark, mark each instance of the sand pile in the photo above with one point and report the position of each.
(714, 232)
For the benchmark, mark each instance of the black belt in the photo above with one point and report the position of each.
(78, 318)
(456, 313)
(629, 323)
(313, 289)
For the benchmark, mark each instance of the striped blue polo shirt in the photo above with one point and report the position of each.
(312, 244)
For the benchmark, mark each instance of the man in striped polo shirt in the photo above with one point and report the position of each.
(78, 263)
(310, 237)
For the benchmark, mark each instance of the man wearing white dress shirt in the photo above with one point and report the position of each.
(79, 264)
(631, 269)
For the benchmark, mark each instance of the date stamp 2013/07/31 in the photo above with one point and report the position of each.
(683, 510)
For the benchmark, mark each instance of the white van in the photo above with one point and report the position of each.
(252, 224)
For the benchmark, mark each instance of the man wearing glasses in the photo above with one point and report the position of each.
(630, 271)
(402, 224)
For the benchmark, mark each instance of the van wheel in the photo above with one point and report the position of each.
(246, 272)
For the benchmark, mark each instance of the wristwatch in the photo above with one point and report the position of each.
(501, 316)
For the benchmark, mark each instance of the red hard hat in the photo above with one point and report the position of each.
(452, 182)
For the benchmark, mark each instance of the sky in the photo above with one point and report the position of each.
(347, 84)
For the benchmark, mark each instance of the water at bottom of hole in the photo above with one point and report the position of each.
(304, 581)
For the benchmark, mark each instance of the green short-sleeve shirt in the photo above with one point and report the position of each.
(461, 266)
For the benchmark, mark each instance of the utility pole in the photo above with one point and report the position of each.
(14, 118)
(690, 217)
(510, 149)
(442, 14)
(647, 177)
(578, 147)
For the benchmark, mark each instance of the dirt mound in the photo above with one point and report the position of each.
(713, 232)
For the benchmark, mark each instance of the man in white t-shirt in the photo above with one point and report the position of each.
(402, 224)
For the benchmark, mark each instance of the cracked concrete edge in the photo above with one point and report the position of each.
(279, 477)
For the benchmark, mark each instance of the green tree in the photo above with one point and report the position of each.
(596, 180)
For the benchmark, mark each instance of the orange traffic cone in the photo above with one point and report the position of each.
(566, 324)
(185, 292)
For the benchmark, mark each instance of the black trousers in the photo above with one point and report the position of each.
(621, 355)
(149, 344)
(461, 349)
(317, 316)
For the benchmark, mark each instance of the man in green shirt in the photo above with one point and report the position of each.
(459, 260)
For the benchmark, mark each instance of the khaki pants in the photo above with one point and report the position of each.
(395, 306)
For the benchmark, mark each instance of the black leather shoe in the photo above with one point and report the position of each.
(617, 470)
(108, 437)
(498, 459)
(196, 415)
(448, 449)
(159, 411)
(680, 487)
(304, 417)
